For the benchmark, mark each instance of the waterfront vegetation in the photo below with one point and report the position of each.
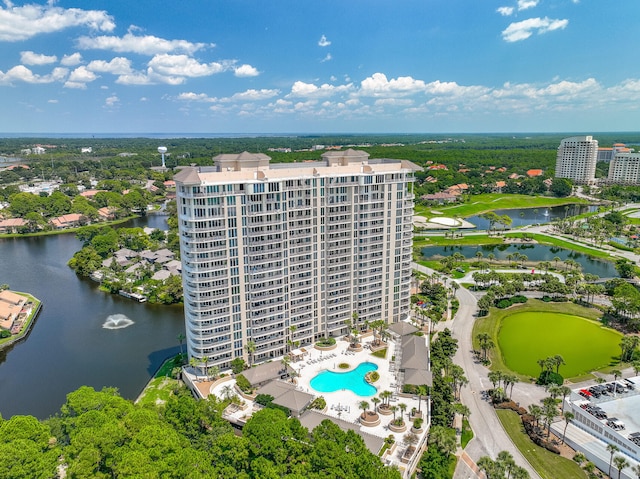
(98, 434)
(160, 388)
(546, 463)
(482, 203)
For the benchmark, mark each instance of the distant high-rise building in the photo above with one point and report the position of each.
(607, 154)
(576, 159)
(280, 255)
(624, 168)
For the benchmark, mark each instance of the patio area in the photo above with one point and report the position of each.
(343, 405)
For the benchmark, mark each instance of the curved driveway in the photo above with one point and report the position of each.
(489, 436)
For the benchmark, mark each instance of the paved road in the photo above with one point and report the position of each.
(489, 436)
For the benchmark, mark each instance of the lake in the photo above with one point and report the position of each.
(532, 216)
(68, 346)
(535, 252)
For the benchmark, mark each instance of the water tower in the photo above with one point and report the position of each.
(162, 150)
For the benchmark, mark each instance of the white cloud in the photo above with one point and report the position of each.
(144, 98)
(254, 95)
(518, 31)
(71, 60)
(323, 42)
(302, 89)
(26, 21)
(377, 85)
(20, 73)
(505, 11)
(117, 66)
(144, 45)
(112, 101)
(246, 71)
(527, 4)
(393, 102)
(135, 78)
(31, 58)
(169, 68)
(326, 58)
(52, 101)
(190, 96)
(82, 75)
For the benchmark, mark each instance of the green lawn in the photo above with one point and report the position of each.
(491, 324)
(495, 201)
(161, 386)
(546, 463)
(551, 240)
(525, 337)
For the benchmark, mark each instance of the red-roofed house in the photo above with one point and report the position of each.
(532, 173)
(67, 221)
(11, 225)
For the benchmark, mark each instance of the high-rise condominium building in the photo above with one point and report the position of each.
(576, 160)
(625, 169)
(277, 256)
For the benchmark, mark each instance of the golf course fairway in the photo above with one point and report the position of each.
(585, 345)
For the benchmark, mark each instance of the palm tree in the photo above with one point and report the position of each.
(227, 392)
(519, 473)
(375, 402)
(559, 361)
(506, 462)
(251, 349)
(403, 408)
(394, 409)
(636, 470)
(568, 416)
(364, 405)
(213, 371)
(285, 363)
(621, 463)
(565, 391)
(612, 448)
(555, 260)
(181, 338)
(422, 391)
(485, 342)
(536, 412)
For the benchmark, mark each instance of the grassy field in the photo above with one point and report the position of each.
(162, 384)
(496, 201)
(525, 337)
(551, 240)
(546, 463)
(491, 324)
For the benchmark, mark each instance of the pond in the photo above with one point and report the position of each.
(535, 252)
(82, 335)
(532, 216)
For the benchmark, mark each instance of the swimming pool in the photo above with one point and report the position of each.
(330, 381)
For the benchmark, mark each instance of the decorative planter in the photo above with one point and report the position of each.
(417, 415)
(395, 428)
(369, 419)
(357, 348)
(385, 411)
(416, 431)
(325, 348)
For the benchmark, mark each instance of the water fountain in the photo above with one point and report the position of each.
(117, 321)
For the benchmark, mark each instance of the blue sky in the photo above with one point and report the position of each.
(330, 66)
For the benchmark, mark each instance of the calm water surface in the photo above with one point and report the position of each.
(532, 216)
(535, 252)
(68, 346)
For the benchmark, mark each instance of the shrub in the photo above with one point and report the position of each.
(503, 304)
(326, 342)
(519, 299)
(4, 333)
(244, 384)
(318, 403)
(264, 399)
(372, 376)
(550, 377)
(417, 423)
(344, 366)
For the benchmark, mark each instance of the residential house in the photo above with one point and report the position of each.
(534, 172)
(10, 307)
(11, 225)
(67, 221)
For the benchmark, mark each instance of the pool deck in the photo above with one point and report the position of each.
(344, 404)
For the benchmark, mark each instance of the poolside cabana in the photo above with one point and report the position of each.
(297, 354)
(402, 328)
(285, 395)
(265, 372)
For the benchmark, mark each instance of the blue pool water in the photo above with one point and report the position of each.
(329, 381)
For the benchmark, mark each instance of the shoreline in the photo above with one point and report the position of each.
(28, 325)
